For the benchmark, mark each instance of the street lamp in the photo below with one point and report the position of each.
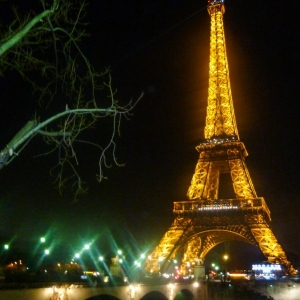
(137, 263)
(160, 260)
(196, 285)
(225, 257)
(171, 288)
(132, 290)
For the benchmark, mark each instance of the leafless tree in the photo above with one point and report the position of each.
(48, 44)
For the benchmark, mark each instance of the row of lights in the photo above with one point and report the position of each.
(42, 239)
(119, 252)
(77, 255)
(87, 247)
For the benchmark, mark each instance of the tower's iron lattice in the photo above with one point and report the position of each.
(205, 221)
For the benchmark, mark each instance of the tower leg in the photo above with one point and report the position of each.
(166, 248)
(271, 249)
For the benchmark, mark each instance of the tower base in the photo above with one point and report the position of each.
(199, 273)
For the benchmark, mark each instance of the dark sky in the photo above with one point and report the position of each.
(161, 48)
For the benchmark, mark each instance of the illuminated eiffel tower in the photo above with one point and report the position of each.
(204, 221)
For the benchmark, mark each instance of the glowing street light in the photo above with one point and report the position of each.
(86, 247)
(225, 257)
(6, 246)
(132, 290)
(137, 263)
(196, 285)
(43, 240)
(171, 288)
(101, 258)
(77, 255)
(47, 252)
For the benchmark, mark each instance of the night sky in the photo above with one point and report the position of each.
(161, 48)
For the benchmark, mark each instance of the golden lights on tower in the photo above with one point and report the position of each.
(220, 118)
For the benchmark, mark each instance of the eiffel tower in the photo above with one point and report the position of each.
(204, 220)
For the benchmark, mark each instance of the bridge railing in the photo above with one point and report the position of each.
(221, 205)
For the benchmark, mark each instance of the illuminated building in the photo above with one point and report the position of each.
(266, 271)
(205, 220)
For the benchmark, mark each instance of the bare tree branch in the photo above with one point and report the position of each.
(16, 38)
(48, 43)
